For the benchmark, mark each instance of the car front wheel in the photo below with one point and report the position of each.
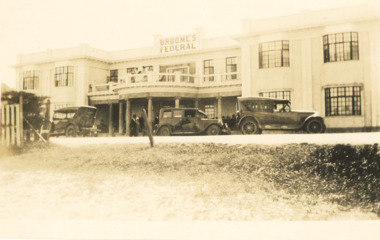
(315, 126)
(70, 131)
(213, 130)
(164, 131)
(250, 126)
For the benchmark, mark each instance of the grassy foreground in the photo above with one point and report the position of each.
(192, 182)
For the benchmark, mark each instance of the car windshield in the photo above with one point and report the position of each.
(284, 107)
(202, 114)
(63, 115)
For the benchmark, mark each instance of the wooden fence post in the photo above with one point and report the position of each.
(21, 120)
(3, 127)
(149, 127)
(7, 124)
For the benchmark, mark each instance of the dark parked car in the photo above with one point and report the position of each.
(258, 113)
(184, 121)
(73, 121)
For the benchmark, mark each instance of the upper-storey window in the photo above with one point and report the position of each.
(231, 67)
(64, 76)
(132, 70)
(341, 47)
(343, 101)
(30, 80)
(147, 69)
(208, 69)
(274, 54)
(114, 75)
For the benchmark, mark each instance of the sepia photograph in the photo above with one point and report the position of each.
(179, 119)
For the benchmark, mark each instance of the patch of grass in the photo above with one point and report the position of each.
(302, 175)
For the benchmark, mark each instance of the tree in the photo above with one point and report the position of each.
(34, 107)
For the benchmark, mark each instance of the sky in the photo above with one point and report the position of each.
(28, 26)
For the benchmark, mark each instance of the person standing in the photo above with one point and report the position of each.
(133, 126)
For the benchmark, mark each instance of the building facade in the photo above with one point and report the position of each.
(324, 60)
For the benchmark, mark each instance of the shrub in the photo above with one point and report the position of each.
(354, 168)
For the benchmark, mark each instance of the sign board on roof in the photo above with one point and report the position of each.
(178, 43)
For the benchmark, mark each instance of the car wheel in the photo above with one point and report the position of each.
(250, 126)
(315, 126)
(70, 131)
(164, 131)
(213, 130)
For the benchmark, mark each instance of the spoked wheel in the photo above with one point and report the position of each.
(250, 126)
(164, 131)
(315, 126)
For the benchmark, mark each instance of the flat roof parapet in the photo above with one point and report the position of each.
(310, 19)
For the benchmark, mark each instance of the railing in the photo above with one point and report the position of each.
(223, 77)
(165, 79)
(162, 77)
(105, 87)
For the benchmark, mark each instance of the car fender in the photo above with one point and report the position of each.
(312, 117)
(164, 125)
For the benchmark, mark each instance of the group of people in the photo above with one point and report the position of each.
(137, 125)
(229, 122)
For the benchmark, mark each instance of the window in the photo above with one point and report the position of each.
(147, 68)
(210, 110)
(276, 94)
(30, 80)
(190, 113)
(64, 76)
(208, 69)
(167, 114)
(274, 54)
(61, 105)
(231, 67)
(131, 71)
(114, 75)
(177, 113)
(343, 101)
(340, 47)
(181, 71)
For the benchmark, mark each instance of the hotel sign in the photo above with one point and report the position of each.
(179, 43)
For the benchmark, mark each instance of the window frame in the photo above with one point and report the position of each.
(231, 67)
(338, 48)
(114, 75)
(210, 110)
(64, 76)
(286, 94)
(274, 54)
(30, 80)
(208, 69)
(340, 102)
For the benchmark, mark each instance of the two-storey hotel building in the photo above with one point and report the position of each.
(327, 60)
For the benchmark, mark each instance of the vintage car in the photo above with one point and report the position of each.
(73, 121)
(185, 121)
(258, 113)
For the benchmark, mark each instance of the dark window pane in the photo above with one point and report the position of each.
(340, 101)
